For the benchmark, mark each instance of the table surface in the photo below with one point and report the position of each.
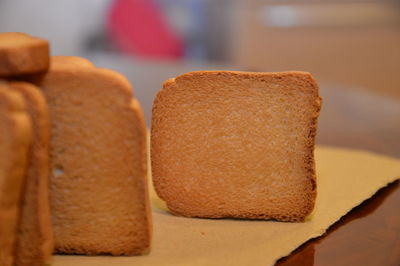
(350, 117)
(370, 233)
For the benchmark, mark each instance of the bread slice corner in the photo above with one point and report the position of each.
(22, 54)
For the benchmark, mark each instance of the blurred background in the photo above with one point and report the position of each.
(352, 47)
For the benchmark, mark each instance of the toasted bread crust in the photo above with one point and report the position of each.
(23, 54)
(98, 161)
(197, 94)
(35, 237)
(15, 139)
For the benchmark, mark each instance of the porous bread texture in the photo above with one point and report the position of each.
(15, 139)
(236, 144)
(22, 54)
(98, 196)
(35, 238)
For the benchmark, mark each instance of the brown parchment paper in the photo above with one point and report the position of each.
(345, 179)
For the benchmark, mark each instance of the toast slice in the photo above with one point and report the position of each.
(22, 54)
(99, 197)
(35, 238)
(236, 144)
(15, 139)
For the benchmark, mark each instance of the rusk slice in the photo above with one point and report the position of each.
(22, 54)
(236, 144)
(15, 139)
(35, 238)
(99, 198)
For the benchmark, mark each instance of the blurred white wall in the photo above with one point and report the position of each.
(66, 23)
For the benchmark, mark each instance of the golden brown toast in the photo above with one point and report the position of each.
(35, 237)
(236, 144)
(99, 197)
(22, 54)
(15, 139)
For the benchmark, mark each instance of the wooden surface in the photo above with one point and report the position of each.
(350, 117)
(370, 234)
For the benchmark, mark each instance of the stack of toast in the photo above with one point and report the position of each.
(73, 163)
(73, 156)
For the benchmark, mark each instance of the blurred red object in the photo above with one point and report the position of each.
(138, 27)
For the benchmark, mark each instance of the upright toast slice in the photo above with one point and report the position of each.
(22, 54)
(15, 139)
(99, 198)
(236, 144)
(35, 238)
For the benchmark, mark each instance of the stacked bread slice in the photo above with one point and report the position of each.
(20, 55)
(99, 197)
(15, 140)
(73, 157)
(35, 237)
